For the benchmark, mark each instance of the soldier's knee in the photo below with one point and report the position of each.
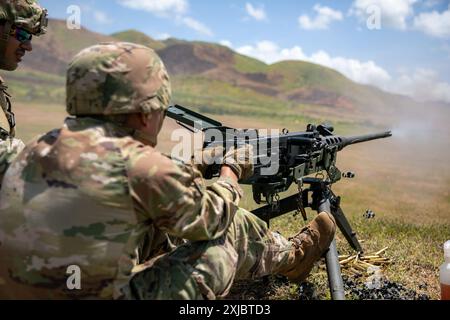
(195, 271)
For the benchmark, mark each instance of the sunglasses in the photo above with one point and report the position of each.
(21, 34)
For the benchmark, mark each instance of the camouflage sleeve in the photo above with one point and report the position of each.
(9, 149)
(175, 197)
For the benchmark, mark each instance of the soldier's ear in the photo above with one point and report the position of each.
(146, 119)
(143, 119)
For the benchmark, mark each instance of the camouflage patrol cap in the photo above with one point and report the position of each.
(117, 78)
(27, 14)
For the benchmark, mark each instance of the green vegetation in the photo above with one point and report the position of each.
(35, 86)
(138, 37)
(28, 75)
(173, 41)
(246, 64)
(78, 40)
(222, 98)
(415, 251)
(299, 74)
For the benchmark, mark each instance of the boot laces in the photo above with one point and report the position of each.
(298, 239)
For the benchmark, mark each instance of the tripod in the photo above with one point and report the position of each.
(323, 200)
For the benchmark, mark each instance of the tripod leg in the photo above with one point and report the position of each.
(344, 225)
(334, 273)
(332, 261)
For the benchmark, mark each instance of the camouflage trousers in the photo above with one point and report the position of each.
(207, 270)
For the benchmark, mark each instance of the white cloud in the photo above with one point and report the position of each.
(163, 8)
(393, 13)
(226, 43)
(162, 36)
(101, 17)
(362, 72)
(270, 52)
(325, 16)
(434, 23)
(170, 9)
(197, 26)
(258, 14)
(422, 84)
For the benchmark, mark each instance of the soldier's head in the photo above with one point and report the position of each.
(20, 20)
(121, 82)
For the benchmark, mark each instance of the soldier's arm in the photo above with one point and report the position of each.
(9, 149)
(176, 199)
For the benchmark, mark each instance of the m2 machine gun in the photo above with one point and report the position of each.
(306, 159)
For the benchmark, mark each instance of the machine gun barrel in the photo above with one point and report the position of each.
(295, 157)
(191, 118)
(347, 141)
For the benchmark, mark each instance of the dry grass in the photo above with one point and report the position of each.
(416, 253)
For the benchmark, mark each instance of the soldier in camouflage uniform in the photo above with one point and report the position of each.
(139, 225)
(19, 21)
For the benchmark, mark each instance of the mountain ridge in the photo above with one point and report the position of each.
(202, 72)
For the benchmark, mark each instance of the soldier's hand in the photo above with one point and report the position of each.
(240, 160)
(204, 158)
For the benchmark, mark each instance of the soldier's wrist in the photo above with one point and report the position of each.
(231, 172)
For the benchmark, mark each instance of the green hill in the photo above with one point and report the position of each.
(138, 37)
(52, 51)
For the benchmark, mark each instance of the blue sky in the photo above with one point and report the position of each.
(401, 46)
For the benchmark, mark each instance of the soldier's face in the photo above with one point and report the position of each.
(154, 123)
(15, 51)
(148, 124)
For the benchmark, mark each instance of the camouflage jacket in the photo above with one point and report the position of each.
(90, 195)
(7, 122)
(9, 146)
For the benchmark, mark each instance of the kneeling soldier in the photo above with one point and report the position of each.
(97, 195)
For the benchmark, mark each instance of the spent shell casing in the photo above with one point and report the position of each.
(355, 272)
(368, 265)
(381, 251)
(370, 257)
(359, 267)
(345, 261)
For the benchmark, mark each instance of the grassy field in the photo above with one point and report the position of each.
(404, 181)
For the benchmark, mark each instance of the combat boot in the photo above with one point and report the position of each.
(309, 245)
